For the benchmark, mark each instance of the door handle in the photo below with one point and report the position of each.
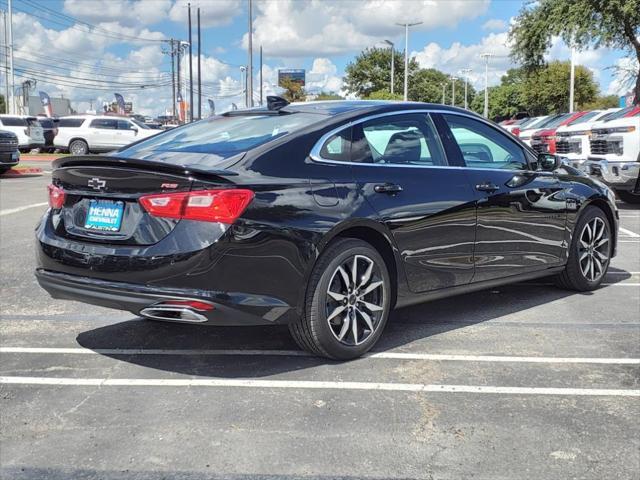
(387, 188)
(487, 187)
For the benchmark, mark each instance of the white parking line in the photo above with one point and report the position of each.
(9, 211)
(629, 233)
(316, 385)
(297, 353)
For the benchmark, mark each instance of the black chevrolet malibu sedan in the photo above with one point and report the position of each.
(322, 216)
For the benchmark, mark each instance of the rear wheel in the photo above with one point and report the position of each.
(78, 147)
(628, 197)
(347, 302)
(589, 254)
(4, 169)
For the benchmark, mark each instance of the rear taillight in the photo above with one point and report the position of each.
(56, 196)
(515, 131)
(223, 206)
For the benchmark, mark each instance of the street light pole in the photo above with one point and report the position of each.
(465, 72)
(406, 55)
(250, 66)
(453, 91)
(486, 57)
(444, 93)
(393, 55)
(573, 79)
(11, 99)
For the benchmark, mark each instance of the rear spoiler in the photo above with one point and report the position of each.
(109, 161)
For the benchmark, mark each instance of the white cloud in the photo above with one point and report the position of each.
(126, 12)
(458, 56)
(323, 77)
(332, 27)
(212, 14)
(495, 25)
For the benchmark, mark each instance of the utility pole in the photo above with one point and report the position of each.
(12, 103)
(190, 66)
(572, 79)
(5, 54)
(250, 66)
(27, 86)
(444, 93)
(453, 91)
(199, 74)
(406, 55)
(260, 75)
(390, 43)
(243, 82)
(486, 57)
(172, 52)
(465, 72)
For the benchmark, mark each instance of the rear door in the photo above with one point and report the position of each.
(126, 133)
(427, 204)
(103, 133)
(521, 213)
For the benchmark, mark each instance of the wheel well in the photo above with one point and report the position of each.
(77, 138)
(383, 247)
(604, 206)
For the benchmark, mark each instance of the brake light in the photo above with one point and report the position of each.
(224, 206)
(56, 196)
(515, 131)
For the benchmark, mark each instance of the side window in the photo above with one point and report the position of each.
(408, 139)
(338, 146)
(484, 147)
(70, 122)
(124, 125)
(104, 123)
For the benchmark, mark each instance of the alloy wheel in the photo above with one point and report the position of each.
(355, 299)
(593, 249)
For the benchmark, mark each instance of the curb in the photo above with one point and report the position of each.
(22, 172)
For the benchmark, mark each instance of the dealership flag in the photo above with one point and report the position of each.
(212, 107)
(120, 103)
(46, 104)
(182, 108)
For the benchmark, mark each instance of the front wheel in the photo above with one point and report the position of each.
(347, 302)
(589, 253)
(629, 197)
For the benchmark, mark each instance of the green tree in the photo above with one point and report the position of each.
(293, 91)
(371, 72)
(546, 90)
(582, 23)
(384, 95)
(600, 103)
(504, 101)
(328, 96)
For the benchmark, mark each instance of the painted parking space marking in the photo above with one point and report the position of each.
(9, 211)
(297, 353)
(629, 233)
(316, 385)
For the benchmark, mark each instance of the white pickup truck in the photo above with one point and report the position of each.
(615, 156)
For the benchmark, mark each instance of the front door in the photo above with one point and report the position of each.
(400, 166)
(521, 213)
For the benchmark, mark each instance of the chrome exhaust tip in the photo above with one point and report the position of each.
(173, 314)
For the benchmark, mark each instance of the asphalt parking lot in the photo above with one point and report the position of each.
(524, 381)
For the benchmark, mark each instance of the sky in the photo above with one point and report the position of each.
(87, 50)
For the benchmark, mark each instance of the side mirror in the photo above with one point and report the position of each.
(548, 162)
(135, 130)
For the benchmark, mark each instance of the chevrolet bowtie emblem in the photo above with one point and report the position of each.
(96, 183)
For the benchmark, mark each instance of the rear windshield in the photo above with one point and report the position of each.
(70, 122)
(224, 136)
(46, 123)
(556, 121)
(14, 121)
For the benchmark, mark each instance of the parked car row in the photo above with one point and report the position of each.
(604, 144)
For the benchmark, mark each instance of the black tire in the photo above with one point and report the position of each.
(629, 197)
(314, 331)
(4, 170)
(78, 147)
(573, 276)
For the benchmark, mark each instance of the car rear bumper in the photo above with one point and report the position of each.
(229, 309)
(616, 174)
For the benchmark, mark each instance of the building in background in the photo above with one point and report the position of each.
(627, 100)
(60, 106)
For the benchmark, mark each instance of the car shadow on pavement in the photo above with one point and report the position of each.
(405, 326)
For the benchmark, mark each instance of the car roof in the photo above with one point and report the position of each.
(336, 107)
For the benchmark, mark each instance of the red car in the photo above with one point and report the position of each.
(544, 141)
